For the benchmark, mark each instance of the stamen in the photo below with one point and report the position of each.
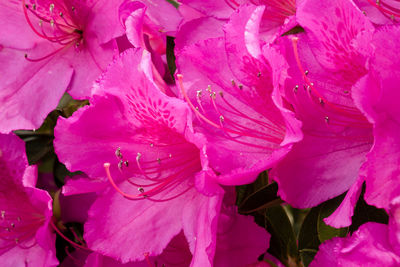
(386, 9)
(146, 255)
(347, 111)
(128, 196)
(64, 34)
(118, 153)
(241, 130)
(66, 238)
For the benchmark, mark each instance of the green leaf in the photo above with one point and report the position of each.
(67, 105)
(171, 55)
(174, 3)
(264, 197)
(243, 191)
(294, 30)
(326, 232)
(314, 231)
(60, 172)
(37, 147)
(365, 213)
(283, 244)
(308, 236)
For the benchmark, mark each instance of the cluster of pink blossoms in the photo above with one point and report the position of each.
(305, 89)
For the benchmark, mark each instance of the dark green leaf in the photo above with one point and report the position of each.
(174, 3)
(326, 232)
(171, 55)
(37, 147)
(243, 191)
(67, 105)
(365, 213)
(264, 197)
(294, 30)
(60, 172)
(308, 236)
(283, 243)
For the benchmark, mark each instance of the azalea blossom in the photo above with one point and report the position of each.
(154, 163)
(324, 65)
(47, 48)
(228, 82)
(25, 212)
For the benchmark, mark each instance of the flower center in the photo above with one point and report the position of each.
(153, 175)
(58, 23)
(18, 230)
(343, 113)
(235, 123)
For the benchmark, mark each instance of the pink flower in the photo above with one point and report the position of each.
(229, 85)
(47, 47)
(25, 211)
(376, 94)
(159, 180)
(324, 65)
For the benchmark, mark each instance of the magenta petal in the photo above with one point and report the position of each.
(242, 32)
(13, 160)
(126, 229)
(200, 220)
(104, 21)
(218, 9)
(41, 57)
(368, 246)
(82, 185)
(88, 66)
(394, 224)
(337, 136)
(342, 215)
(197, 30)
(240, 240)
(341, 21)
(233, 92)
(25, 212)
(26, 101)
(168, 20)
(154, 154)
(308, 182)
(123, 118)
(132, 14)
(376, 94)
(36, 256)
(23, 36)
